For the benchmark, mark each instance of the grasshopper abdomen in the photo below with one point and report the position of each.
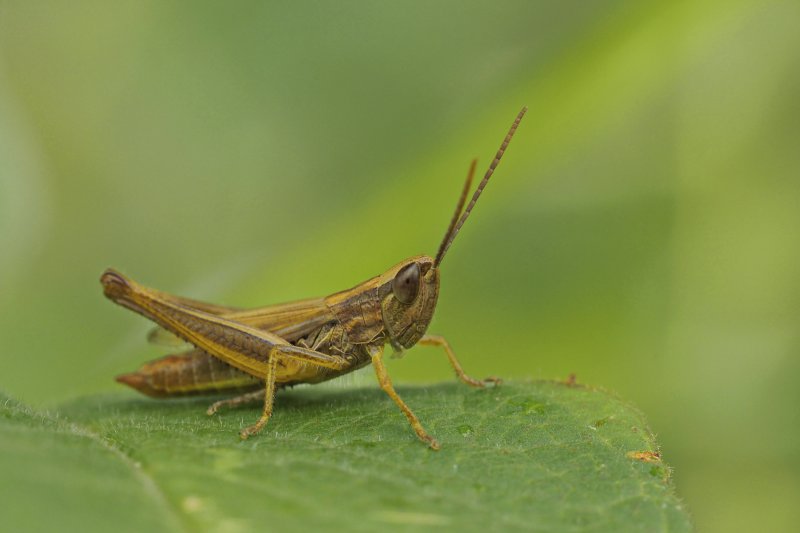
(186, 374)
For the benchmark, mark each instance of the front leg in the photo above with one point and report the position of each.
(376, 353)
(438, 340)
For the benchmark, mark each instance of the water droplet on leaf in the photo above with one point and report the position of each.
(465, 430)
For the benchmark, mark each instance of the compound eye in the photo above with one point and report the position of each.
(406, 283)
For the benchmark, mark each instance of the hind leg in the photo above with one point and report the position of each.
(288, 352)
(269, 398)
(243, 399)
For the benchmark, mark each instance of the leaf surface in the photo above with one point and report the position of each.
(541, 456)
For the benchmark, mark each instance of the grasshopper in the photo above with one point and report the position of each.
(257, 351)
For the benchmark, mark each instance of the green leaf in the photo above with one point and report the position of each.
(58, 475)
(541, 456)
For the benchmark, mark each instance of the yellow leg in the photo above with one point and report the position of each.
(279, 352)
(438, 340)
(386, 384)
(269, 397)
(235, 402)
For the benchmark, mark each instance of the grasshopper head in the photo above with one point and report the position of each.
(410, 289)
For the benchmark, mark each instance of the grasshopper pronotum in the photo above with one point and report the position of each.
(309, 341)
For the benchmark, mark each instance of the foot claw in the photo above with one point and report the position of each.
(481, 383)
(252, 430)
(433, 443)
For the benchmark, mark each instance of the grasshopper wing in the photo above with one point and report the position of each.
(290, 321)
(231, 338)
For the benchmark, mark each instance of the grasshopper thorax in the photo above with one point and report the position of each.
(408, 300)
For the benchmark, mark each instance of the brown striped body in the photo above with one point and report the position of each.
(307, 341)
(342, 324)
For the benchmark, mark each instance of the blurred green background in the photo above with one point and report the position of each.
(642, 232)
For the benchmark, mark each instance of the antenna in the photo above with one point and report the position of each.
(459, 208)
(453, 230)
